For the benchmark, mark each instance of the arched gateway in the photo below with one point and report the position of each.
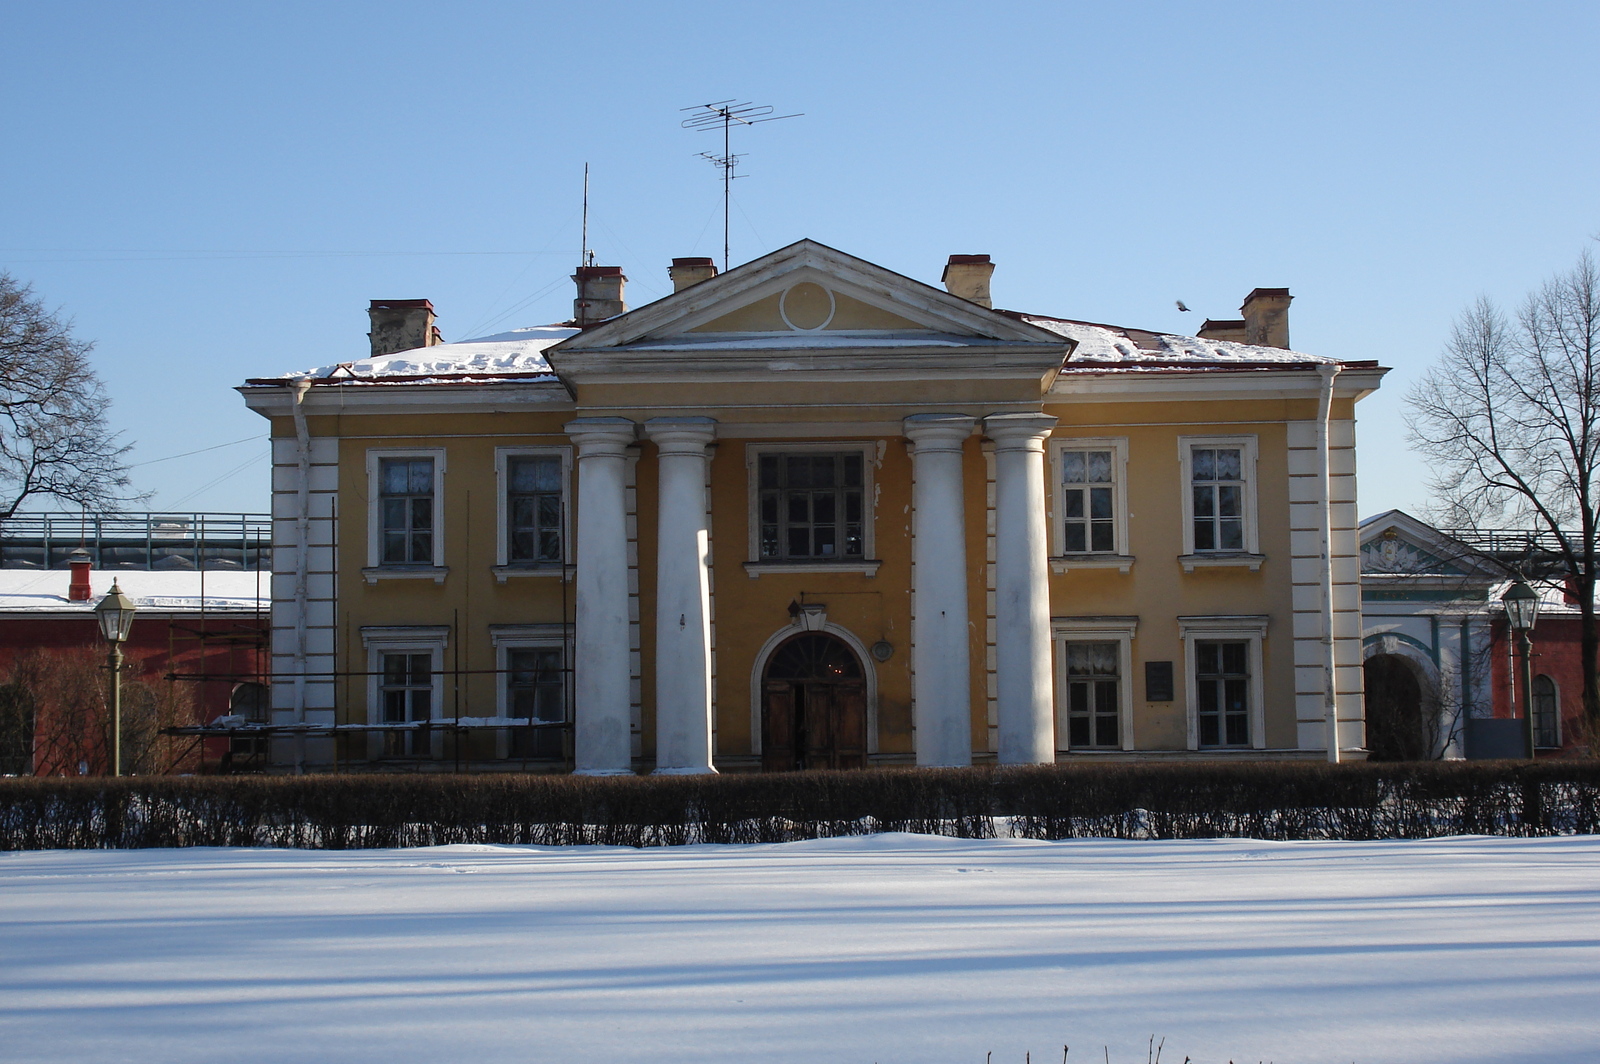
(814, 706)
(1396, 729)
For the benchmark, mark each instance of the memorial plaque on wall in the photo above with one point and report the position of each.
(1158, 681)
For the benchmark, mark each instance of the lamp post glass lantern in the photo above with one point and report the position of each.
(115, 614)
(1522, 610)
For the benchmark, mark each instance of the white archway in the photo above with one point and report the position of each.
(1435, 703)
(812, 620)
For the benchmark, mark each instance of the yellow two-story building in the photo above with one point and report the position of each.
(810, 513)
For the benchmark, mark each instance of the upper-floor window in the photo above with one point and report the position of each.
(1088, 515)
(1219, 495)
(533, 508)
(406, 500)
(810, 506)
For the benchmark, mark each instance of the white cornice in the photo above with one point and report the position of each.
(414, 398)
(1219, 383)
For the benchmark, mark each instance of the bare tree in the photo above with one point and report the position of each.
(54, 441)
(1510, 419)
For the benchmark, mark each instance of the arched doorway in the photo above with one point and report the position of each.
(814, 706)
(1395, 728)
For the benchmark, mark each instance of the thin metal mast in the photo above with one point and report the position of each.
(725, 113)
(583, 253)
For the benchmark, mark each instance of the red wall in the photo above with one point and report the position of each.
(1556, 654)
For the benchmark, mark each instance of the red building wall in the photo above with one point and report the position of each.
(1556, 654)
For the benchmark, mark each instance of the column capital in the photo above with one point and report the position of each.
(601, 435)
(681, 435)
(1018, 431)
(938, 432)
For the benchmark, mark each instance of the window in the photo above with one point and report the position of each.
(534, 483)
(532, 663)
(1086, 503)
(1094, 708)
(1546, 713)
(405, 686)
(1218, 486)
(1090, 511)
(811, 506)
(1094, 701)
(404, 508)
(1219, 501)
(1222, 681)
(406, 693)
(407, 511)
(250, 702)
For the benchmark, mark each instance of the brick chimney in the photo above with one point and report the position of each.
(685, 272)
(967, 277)
(78, 589)
(401, 325)
(1223, 329)
(1266, 317)
(599, 294)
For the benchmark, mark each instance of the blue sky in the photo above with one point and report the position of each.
(214, 191)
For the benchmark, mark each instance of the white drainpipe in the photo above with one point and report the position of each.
(1330, 700)
(302, 560)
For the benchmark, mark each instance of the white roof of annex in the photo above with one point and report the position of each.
(44, 591)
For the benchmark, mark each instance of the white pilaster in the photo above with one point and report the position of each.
(1022, 589)
(600, 645)
(683, 601)
(941, 684)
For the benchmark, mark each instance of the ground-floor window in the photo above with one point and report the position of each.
(1546, 713)
(1094, 707)
(536, 692)
(1222, 684)
(406, 695)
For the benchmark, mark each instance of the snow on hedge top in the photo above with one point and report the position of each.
(1101, 344)
(519, 353)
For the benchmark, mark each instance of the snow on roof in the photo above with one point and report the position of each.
(1101, 344)
(45, 590)
(518, 353)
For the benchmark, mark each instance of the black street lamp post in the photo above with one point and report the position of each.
(1522, 609)
(115, 614)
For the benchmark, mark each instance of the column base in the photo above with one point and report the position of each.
(604, 772)
(697, 771)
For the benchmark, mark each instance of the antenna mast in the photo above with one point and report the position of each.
(585, 257)
(725, 113)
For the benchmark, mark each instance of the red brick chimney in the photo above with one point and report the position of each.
(78, 587)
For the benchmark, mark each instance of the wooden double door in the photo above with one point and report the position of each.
(814, 711)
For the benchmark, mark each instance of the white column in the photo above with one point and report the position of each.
(600, 644)
(683, 596)
(941, 683)
(1022, 589)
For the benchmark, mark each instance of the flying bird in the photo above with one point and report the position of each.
(1181, 306)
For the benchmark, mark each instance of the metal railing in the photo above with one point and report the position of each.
(161, 541)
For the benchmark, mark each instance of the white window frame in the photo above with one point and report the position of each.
(1249, 450)
(1118, 630)
(868, 563)
(1555, 686)
(376, 570)
(508, 637)
(504, 568)
(1248, 629)
(403, 639)
(1120, 558)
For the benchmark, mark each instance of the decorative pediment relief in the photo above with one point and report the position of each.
(808, 307)
(1390, 553)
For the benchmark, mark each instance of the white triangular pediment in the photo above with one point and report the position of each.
(1396, 544)
(808, 295)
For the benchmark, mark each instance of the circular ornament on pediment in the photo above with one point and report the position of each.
(806, 307)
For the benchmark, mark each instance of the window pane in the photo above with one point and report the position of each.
(1204, 501)
(769, 541)
(394, 547)
(799, 471)
(1104, 539)
(769, 507)
(852, 506)
(852, 540)
(421, 548)
(1204, 535)
(1074, 539)
(822, 470)
(1078, 731)
(1205, 657)
(822, 508)
(823, 540)
(1100, 502)
(1072, 502)
(1228, 464)
(1099, 463)
(799, 543)
(393, 475)
(1228, 501)
(852, 470)
(799, 508)
(394, 513)
(1072, 467)
(1205, 464)
(1232, 534)
(1233, 658)
(422, 513)
(550, 510)
(769, 471)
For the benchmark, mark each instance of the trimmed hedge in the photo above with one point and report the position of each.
(1261, 800)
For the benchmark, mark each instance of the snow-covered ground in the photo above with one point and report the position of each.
(883, 948)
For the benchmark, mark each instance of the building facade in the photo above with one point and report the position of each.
(813, 513)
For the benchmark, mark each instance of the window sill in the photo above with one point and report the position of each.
(1221, 560)
(864, 567)
(502, 573)
(1063, 563)
(436, 573)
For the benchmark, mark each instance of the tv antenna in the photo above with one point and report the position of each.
(585, 256)
(724, 114)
